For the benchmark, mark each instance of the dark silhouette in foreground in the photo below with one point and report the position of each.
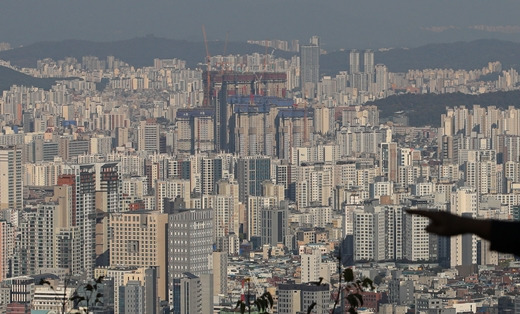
(504, 236)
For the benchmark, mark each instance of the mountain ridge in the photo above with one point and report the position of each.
(10, 77)
(426, 109)
(456, 55)
(139, 51)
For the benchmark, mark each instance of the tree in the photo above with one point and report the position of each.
(352, 286)
(89, 296)
(63, 299)
(264, 303)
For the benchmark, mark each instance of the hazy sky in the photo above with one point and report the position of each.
(340, 23)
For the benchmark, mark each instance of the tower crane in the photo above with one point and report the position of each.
(305, 130)
(223, 66)
(208, 63)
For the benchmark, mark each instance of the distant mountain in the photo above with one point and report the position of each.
(458, 55)
(141, 52)
(138, 52)
(9, 77)
(427, 109)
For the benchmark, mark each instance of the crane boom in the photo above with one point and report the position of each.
(223, 66)
(226, 43)
(208, 64)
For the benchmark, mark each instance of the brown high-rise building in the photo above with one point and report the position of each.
(69, 180)
(139, 239)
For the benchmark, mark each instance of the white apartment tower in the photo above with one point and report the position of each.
(363, 235)
(381, 78)
(354, 61)
(148, 136)
(417, 244)
(368, 62)
(6, 247)
(11, 187)
(463, 248)
(311, 263)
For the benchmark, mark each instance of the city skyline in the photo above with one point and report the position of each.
(182, 186)
(401, 23)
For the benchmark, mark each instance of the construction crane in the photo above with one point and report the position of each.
(223, 66)
(258, 85)
(271, 56)
(225, 43)
(265, 56)
(208, 63)
(305, 131)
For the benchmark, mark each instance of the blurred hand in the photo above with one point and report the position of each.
(444, 223)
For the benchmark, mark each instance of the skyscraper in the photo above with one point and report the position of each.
(252, 171)
(381, 78)
(11, 189)
(47, 239)
(388, 161)
(195, 130)
(190, 236)
(417, 244)
(139, 239)
(310, 67)
(148, 136)
(107, 200)
(226, 209)
(6, 247)
(354, 61)
(368, 65)
(294, 128)
(368, 59)
(211, 173)
(463, 248)
(274, 224)
(84, 177)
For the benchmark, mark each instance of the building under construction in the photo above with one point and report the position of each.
(194, 132)
(219, 85)
(243, 84)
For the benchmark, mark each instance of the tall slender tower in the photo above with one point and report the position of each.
(381, 78)
(11, 187)
(368, 67)
(83, 179)
(354, 61)
(388, 161)
(310, 67)
(6, 247)
(369, 61)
